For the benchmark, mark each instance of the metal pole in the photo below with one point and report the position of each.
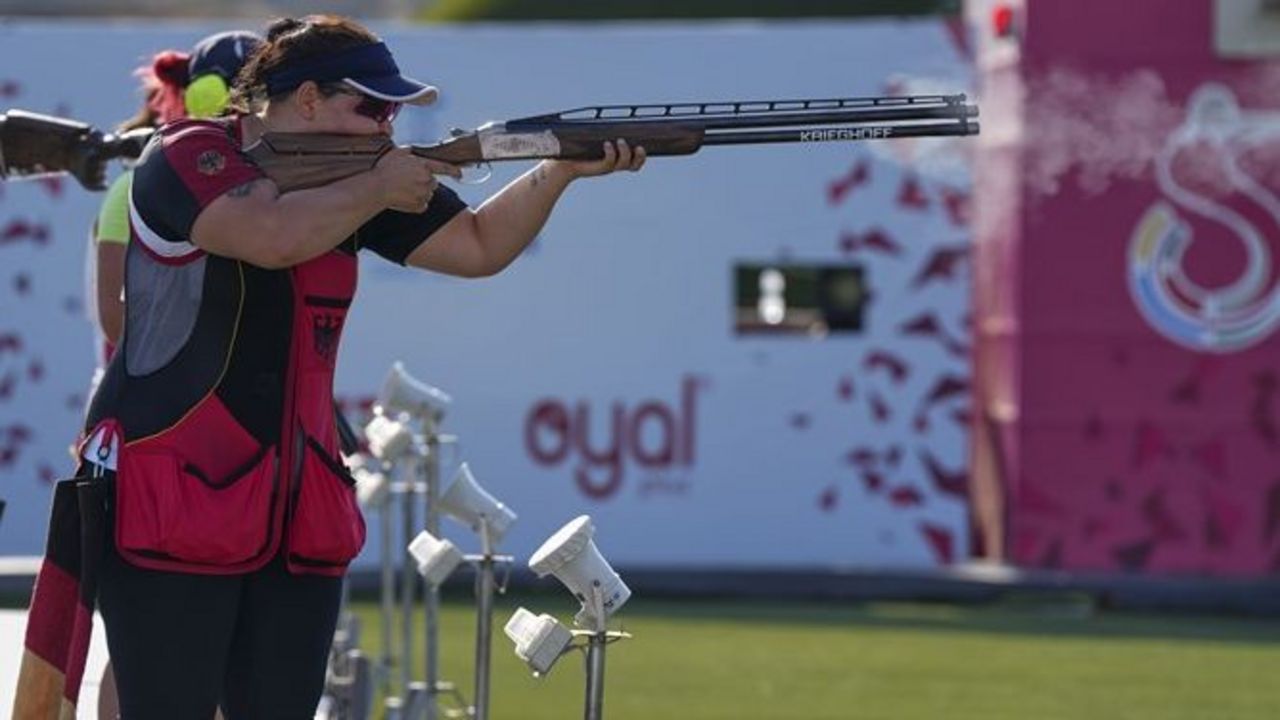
(345, 639)
(432, 593)
(484, 620)
(595, 656)
(344, 602)
(417, 701)
(360, 703)
(408, 575)
(388, 598)
(595, 676)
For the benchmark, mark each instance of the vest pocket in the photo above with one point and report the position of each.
(168, 509)
(326, 529)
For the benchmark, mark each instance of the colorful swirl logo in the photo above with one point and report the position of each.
(1244, 312)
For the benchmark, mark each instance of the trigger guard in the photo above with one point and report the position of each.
(487, 172)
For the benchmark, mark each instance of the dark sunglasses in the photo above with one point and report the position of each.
(376, 109)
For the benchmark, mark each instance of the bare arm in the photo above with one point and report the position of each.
(258, 225)
(484, 241)
(110, 283)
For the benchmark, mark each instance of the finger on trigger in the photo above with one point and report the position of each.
(436, 167)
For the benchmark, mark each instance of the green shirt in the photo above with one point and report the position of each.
(113, 216)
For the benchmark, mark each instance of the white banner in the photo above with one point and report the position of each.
(602, 372)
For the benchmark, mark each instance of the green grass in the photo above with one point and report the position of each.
(718, 659)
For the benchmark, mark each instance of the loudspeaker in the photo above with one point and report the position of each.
(436, 557)
(572, 556)
(401, 392)
(388, 440)
(540, 640)
(467, 501)
(372, 488)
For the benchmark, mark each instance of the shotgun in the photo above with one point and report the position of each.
(301, 160)
(32, 144)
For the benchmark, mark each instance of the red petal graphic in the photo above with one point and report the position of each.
(875, 240)
(862, 457)
(879, 408)
(927, 326)
(845, 389)
(829, 499)
(940, 539)
(896, 366)
(839, 189)
(956, 203)
(906, 496)
(946, 388)
(911, 195)
(954, 483)
(943, 264)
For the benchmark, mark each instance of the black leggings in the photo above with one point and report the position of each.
(181, 644)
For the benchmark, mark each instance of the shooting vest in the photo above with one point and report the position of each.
(220, 398)
(229, 451)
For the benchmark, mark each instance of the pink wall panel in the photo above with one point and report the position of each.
(1142, 447)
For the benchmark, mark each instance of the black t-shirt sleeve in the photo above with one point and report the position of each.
(188, 165)
(395, 235)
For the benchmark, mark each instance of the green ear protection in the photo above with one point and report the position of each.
(206, 96)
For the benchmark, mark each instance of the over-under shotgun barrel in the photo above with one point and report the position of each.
(682, 129)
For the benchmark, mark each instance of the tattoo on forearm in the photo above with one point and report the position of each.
(538, 176)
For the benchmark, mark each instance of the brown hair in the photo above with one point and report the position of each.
(291, 40)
